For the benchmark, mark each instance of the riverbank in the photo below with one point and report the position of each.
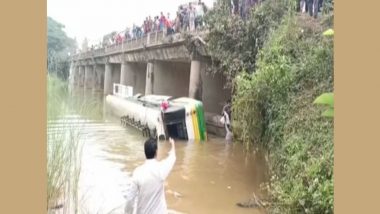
(295, 67)
(278, 62)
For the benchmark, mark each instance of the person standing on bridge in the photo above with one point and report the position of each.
(150, 24)
(191, 17)
(162, 21)
(177, 23)
(199, 13)
(168, 26)
(147, 185)
(185, 19)
(156, 23)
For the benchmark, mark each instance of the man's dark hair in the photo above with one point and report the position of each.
(150, 148)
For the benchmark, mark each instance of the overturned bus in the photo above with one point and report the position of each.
(183, 118)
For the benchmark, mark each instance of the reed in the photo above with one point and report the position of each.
(64, 145)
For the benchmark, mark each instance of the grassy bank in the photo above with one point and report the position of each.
(273, 108)
(277, 62)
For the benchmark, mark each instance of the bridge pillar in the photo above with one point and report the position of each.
(98, 77)
(76, 75)
(195, 83)
(94, 77)
(81, 76)
(108, 86)
(126, 74)
(149, 78)
(71, 74)
(88, 79)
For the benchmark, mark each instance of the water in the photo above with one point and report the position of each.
(208, 177)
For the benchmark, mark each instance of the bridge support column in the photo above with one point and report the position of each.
(71, 74)
(108, 86)
(195, 83)
(94, 77)
(98, 77)
(81, 76)
(88, 79)
(126, 74)
(76, 75)
(149, 78)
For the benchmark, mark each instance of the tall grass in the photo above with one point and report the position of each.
(64, 144)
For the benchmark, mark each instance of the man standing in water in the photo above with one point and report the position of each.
(147, 185)
(226, 119)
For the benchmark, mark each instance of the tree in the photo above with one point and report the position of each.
(234, 43)
(60, 46)
(57, 38)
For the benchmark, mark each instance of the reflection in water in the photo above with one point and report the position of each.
(208, 177)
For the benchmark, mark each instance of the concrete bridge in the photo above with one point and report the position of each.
(159, 64)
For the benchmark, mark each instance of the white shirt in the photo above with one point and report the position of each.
(147, 186)
(199, 10)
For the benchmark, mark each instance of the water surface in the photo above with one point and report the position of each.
(208, 177)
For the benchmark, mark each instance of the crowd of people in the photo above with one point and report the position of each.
(189, 17)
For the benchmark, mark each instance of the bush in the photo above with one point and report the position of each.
(273, 108)
(234, 43)
(58, 65)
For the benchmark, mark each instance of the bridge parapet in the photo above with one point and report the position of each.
(146, 41)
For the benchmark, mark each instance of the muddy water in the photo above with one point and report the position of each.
(207, 177)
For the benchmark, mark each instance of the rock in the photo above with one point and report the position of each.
(253, 202)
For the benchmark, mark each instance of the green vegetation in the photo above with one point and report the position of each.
(63, 135)
(278, 62)
(59, 46)
(63, 150)
(326, 99)
(64, 146)
(235, 43)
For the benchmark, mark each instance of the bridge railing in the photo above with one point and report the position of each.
(122, 90)
(152, 38)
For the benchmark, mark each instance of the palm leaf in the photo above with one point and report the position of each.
(328, 113)
(329, 32)
(325, 99)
